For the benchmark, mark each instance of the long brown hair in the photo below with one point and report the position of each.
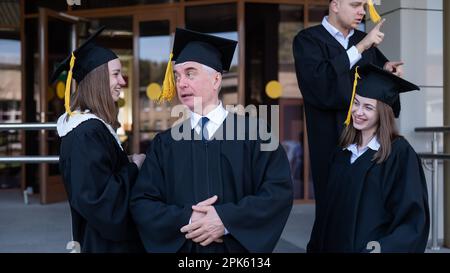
(94, 93)
(386, 132)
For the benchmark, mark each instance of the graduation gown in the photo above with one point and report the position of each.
(366, 201)
(326, 83)
(98, 178)
(254, 190)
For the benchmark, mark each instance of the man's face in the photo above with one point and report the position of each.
(194, 81)
(349, 12)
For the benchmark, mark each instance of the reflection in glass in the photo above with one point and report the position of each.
(59, 47)
(268, 61)
(293, 142)
(96, 4)
(154, 50)
(219, 20)
(229, 92)
(10, 97)
(316, 14)
(291, 22)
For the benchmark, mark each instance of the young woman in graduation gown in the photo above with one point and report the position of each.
(376, 194)
(97, 173)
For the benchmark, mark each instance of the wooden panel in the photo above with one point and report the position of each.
(57, 192)
(43, 84)
(50, 186)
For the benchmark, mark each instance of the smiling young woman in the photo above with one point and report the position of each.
(97, 173)
(376, 191)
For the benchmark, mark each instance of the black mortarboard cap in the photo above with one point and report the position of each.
(212, 51)
(88, 56)
(80, 62)
(377, 83)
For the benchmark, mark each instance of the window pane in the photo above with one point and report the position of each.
(316, 14)
(219, 20)
(95, 4)
(10, 98)
(154, 50)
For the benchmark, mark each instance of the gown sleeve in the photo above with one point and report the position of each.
(257, 220)
(324, 82)
(160, 229)
(97, 192)
(379, 59)
(406, 198)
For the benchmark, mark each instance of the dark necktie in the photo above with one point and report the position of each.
(204, 131)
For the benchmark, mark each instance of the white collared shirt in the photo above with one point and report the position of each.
(216, 118)
(373, 145)
(352, 53)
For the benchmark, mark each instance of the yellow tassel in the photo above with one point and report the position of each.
(168, 89)
(355, 83)
(374, 16)
(68, 83)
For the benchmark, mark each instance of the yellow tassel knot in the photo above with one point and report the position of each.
(355, 83)
(168, 88)
(68, 83)
(374, 16)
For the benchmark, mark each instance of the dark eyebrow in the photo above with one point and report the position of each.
(368, 104)
(365, 104)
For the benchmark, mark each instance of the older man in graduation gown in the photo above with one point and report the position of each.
(214, 190)
(325, 58)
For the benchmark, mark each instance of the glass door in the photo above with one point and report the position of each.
(270, 29)
(219, 20)
(56, 39)
(152, 47)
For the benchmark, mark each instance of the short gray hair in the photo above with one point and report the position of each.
(211, 71)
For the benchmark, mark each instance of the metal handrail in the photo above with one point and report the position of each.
(28, 127)
(438, 156)
(442, 129)
(29, 159)
(434, 156)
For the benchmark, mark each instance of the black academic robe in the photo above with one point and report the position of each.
(98, 178)
(365, 201)
(254, 190)
(326, 83)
